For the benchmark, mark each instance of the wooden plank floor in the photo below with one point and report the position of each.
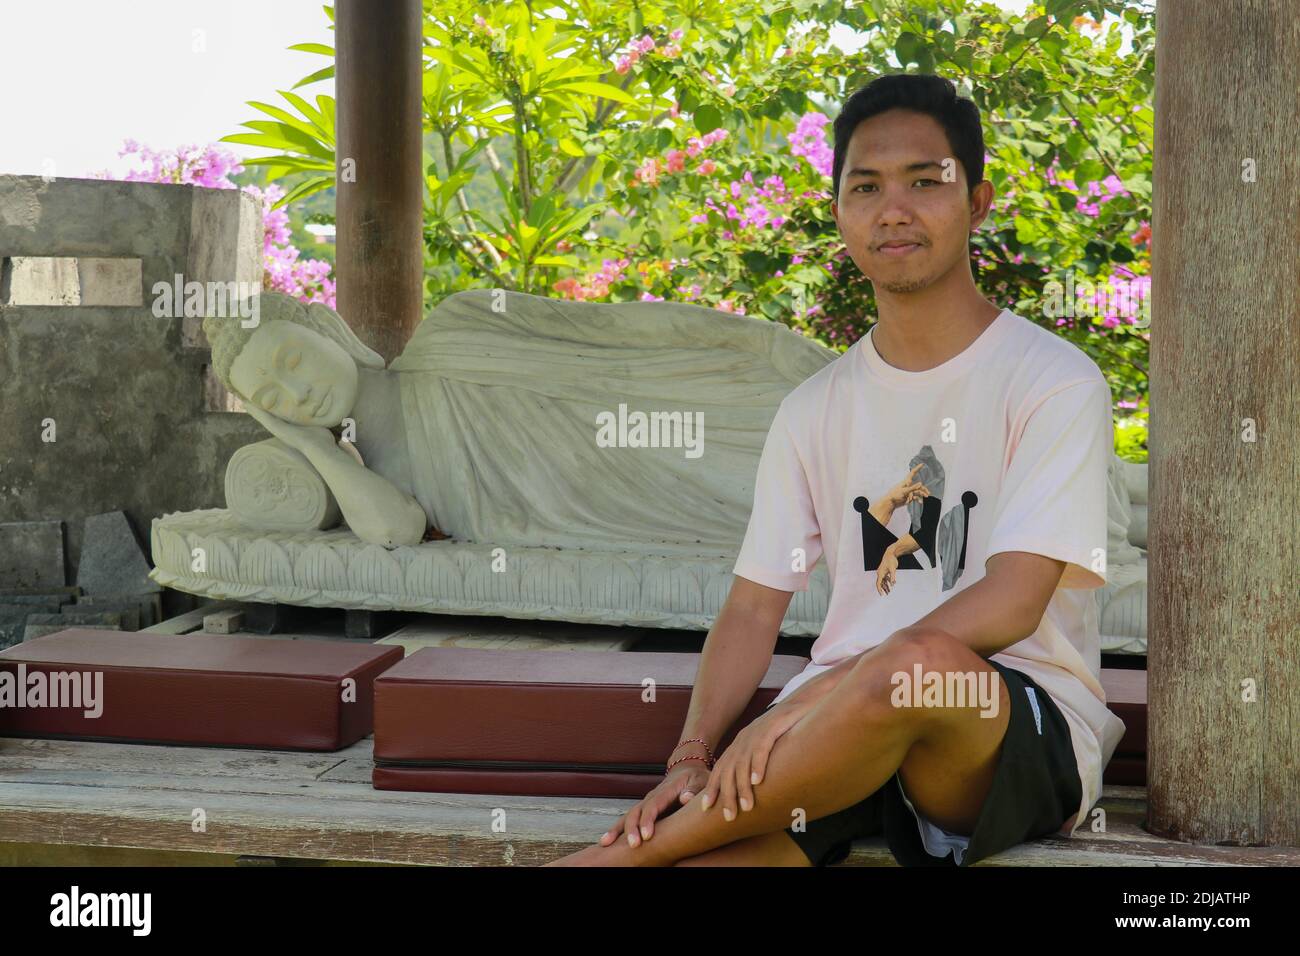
(322, 807)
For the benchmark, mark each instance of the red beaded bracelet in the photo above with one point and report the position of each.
(693, 740)
(708, 764)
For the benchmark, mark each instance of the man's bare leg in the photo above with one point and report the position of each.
(765, 849)
(846, 748)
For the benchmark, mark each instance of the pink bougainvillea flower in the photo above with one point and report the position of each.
(210, 167)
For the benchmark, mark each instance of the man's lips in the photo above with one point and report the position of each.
(896, 248)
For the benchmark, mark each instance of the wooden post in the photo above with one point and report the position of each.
(1224, 584)
(380, 206)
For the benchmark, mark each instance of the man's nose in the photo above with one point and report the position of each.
(895, 210)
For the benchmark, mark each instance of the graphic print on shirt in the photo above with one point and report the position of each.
(943, 540)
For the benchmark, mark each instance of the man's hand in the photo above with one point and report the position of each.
(678, 786)
(743, 765)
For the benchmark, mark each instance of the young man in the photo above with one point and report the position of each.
(951, 468)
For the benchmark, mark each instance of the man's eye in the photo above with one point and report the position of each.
(872, 185)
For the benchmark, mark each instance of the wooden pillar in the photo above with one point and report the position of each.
(1224, 534)
(380, 208)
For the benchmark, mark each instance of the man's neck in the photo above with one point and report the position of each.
(916, 332)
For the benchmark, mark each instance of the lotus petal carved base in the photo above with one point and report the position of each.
(210, 553)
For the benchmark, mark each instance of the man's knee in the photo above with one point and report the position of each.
(878, 675)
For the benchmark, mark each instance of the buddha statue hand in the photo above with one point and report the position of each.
(304, 438)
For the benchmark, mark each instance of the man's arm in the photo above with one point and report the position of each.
(1001, 609)
(737, 653)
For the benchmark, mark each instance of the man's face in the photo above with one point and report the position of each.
(905, 199)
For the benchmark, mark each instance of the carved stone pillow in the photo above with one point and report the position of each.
(272, 487)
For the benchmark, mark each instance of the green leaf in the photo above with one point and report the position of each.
(592, 88)
(1089, 171)
(291, 163)
(569, 262)
(307, 110)
(707, 118)
(289, 122)
(1027, 230)
(320, 48)
(325, 74)
(305, 189)
(908, 47)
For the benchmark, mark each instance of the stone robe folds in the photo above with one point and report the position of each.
(500, 411)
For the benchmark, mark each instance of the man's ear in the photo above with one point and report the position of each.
(981, 201)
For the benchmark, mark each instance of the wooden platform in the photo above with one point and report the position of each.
(301, 806)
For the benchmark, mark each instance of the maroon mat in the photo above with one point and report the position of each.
(573, 723)
(1126, 696)
(558, 723)
(197, 689)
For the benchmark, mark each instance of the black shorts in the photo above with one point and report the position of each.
(1036, 789)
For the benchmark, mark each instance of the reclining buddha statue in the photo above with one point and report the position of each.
(513, 419)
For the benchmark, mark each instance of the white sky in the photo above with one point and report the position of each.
(81, 76)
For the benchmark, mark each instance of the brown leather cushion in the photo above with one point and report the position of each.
(559, 723)
(537, 723)
(1126, 696)
(203, 689)
(529, 783)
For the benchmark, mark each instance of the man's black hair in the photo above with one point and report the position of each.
(923, 93)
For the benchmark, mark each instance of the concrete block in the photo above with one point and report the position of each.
(130, 612)
(223, 622)
(149, 605)
(31, 554)
(40, 630)
(110, 281)
(65, 595)
(13, 619)
(39, 624)
(40, 280)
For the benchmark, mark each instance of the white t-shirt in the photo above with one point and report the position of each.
(1015, 436)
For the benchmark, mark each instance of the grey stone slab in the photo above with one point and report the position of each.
(63, 594)
(150, 605)
(40, 598)
(13, 619)
(31, 554)
(33, 631)
(112, 561)
(110, 620)
(130, 612)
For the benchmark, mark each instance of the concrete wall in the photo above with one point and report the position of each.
(125, 389)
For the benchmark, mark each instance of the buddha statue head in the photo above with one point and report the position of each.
(299, 362)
